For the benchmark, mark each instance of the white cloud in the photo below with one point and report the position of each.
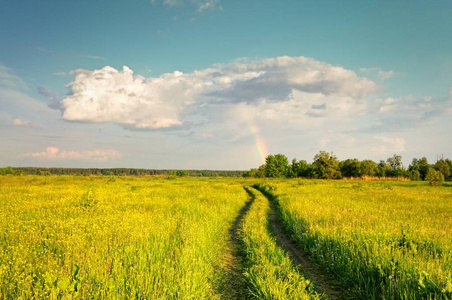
(119, 96)
(19, 122)
(61, 74)
(53, 153)
(379, 72)
(408, 110)
(389, 145)
(173, 2)
(17, 102)
(323, 142)
(201, 5)
(208, 5)
(10, 80)
(93, 57)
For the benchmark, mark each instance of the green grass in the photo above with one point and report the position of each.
(382, 240)
(65, 237)
(100, 237)
(270, 273)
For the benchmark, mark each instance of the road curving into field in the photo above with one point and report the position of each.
(308, 269)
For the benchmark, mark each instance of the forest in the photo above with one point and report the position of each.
(327, 166)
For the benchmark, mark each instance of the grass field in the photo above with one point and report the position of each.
(64, 237)
(270, 273)
(100, 237)
(389, 240)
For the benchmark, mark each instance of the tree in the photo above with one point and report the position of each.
(442, 166)
(449, 163)
(326, 166)
(420, 165)
(395, 163)
(383, 169)
(276, 165)
(350, 168)
(434, 177)
(299, 169)
(368, 167)
(415, 175)
(6, 171)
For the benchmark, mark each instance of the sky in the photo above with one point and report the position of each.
(216, 84)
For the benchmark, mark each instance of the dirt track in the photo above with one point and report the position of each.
(235, 283)
(300, 259)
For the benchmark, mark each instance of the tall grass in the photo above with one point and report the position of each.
(269, 271)
(382, 240)
(98, 237)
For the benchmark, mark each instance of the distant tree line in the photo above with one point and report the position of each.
(118, 172)
(327, 166)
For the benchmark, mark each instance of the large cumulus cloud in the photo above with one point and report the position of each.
(120, 96)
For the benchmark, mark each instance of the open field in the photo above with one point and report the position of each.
(378, 239)
(115, 238)
(185, 238)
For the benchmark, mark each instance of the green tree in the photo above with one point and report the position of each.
(383, 169)
(326, 166)
(420, 165)
(276, 165)
(415, 175)
(368, 167)
(434, 177)
(350, 168)
(300, 168)
(7, 170)
(449, 163)
(257, 173)
(442, 166)
(395, 163)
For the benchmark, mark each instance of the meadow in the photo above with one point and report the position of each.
(107, 237)
(379, 239)
(164, 237)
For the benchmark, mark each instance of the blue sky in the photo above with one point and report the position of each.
(219, 84)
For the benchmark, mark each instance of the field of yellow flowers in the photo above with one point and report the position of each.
(65, 237)
(380, 240)
(106, 237)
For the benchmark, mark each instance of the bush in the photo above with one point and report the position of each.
(435, 178)
(415, 175)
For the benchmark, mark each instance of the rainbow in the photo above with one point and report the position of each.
(261, 147)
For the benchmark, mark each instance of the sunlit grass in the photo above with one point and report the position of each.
(380, 239)
(101, 237)
(270, 272)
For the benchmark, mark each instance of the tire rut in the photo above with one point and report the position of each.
(309, 270)
(235, 282)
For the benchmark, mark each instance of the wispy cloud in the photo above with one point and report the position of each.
(19, 122)
(379, 72)
(173, 2)
(93, 57)
(42, 49)
(9, 80)
(61, 74)
(52, 97)
(54, 153)
(389, 145)
(208, 5)
(201, 5)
